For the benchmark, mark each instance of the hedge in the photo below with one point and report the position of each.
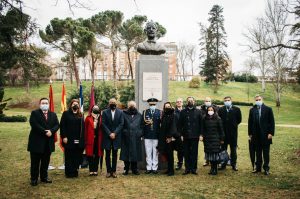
(15, 118)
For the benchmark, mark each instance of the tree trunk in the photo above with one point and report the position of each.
(130, 65)
(75, 70)
(263, 84)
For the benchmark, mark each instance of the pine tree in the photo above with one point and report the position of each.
(213, 43)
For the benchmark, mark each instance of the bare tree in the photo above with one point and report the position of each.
(182, 57)
(191, 54)
(280, 59)
(257, 38)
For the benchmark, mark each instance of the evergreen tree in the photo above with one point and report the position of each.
(213, 42)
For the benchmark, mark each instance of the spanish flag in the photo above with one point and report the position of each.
(51, 107)
(63, 103)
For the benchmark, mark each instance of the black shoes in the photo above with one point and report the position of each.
(186, 172)
(194, 172)
(148, 172)
(155, 172)
(125, 173)
(46, 180)
(223, 167)
(136, 172)
(234, 168)
(33, 182)
(256, 171)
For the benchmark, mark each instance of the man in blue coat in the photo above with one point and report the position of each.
(112, 124)
(152, 120)
(261, 129)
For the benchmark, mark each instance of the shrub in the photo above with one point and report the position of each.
(245, 78)
(126, 93)
(195, 82)
(15, 118)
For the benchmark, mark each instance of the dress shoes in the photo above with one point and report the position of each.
(234, 168)
(178, 167)
(114, 175)
(125, 173)
(136, 172)
(194, 172)
(171, 173)
(34, 183)
(186, 172)
(148, 172)
(46, 180)
(256, 171)
(155, 172)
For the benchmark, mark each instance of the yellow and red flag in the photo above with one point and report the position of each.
(63, 102)
(51, 106)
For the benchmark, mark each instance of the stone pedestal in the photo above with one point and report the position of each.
(151, 80)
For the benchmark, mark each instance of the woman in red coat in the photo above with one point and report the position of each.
(93, 139)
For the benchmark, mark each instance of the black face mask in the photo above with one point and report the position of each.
(113, 106)
(75, 107)
(168, 110)
(190, 104)
(96, 111)
(132, 110)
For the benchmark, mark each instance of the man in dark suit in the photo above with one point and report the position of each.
(190, 125)
(261, 129)
(112, 123)
(41, 141)
(152, 120)
(231, 117)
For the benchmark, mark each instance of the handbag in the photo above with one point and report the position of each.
(223, 156)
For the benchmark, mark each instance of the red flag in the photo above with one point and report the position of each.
(51, 107)
(92, 99)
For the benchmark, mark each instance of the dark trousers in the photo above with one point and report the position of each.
(111, 163)
(39, 165)
(170, 156)
(179, 148)
(190, 147)
(93, 163)
(262, 152)
(133, 165)
(73, 159)
(233, 154)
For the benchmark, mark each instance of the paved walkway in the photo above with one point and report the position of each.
(282, 125)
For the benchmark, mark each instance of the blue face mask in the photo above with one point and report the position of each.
(228, 103)
(258, 103)
(152, 108)
(44, 107)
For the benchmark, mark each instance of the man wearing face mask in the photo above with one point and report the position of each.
(44, 124)
(203, 108)
(152, 120)
(112, 124)
(131, 147)
(261, 129)
(231, 117)
(190, 122)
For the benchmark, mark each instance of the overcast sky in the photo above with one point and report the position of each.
(180, 18)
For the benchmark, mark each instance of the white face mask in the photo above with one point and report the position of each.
(207, 104)
(227, 103)
(210, 113)
(258, 103)
(44, 107)
(152, 108)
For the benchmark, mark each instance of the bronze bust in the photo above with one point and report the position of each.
(150, 47)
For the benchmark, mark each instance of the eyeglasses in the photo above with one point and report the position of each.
(257, 99)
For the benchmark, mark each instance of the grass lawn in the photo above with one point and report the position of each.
(283, 182)
(289, 112)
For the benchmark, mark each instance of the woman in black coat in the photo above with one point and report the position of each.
(213, 137)
(167, 136)
(72, 135)
(131, 145)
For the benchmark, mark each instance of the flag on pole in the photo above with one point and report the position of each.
(81, 98)
(92, 99)
(51, 106)
(63, 103)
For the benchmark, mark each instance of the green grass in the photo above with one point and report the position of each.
(289, 112)
(283, 182)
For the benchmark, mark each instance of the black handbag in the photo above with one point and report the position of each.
(223, 156)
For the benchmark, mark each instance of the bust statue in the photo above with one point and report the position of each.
(150, 47)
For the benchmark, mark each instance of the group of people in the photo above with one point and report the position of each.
(163, 131)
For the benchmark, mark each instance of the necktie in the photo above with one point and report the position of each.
(46, 116)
